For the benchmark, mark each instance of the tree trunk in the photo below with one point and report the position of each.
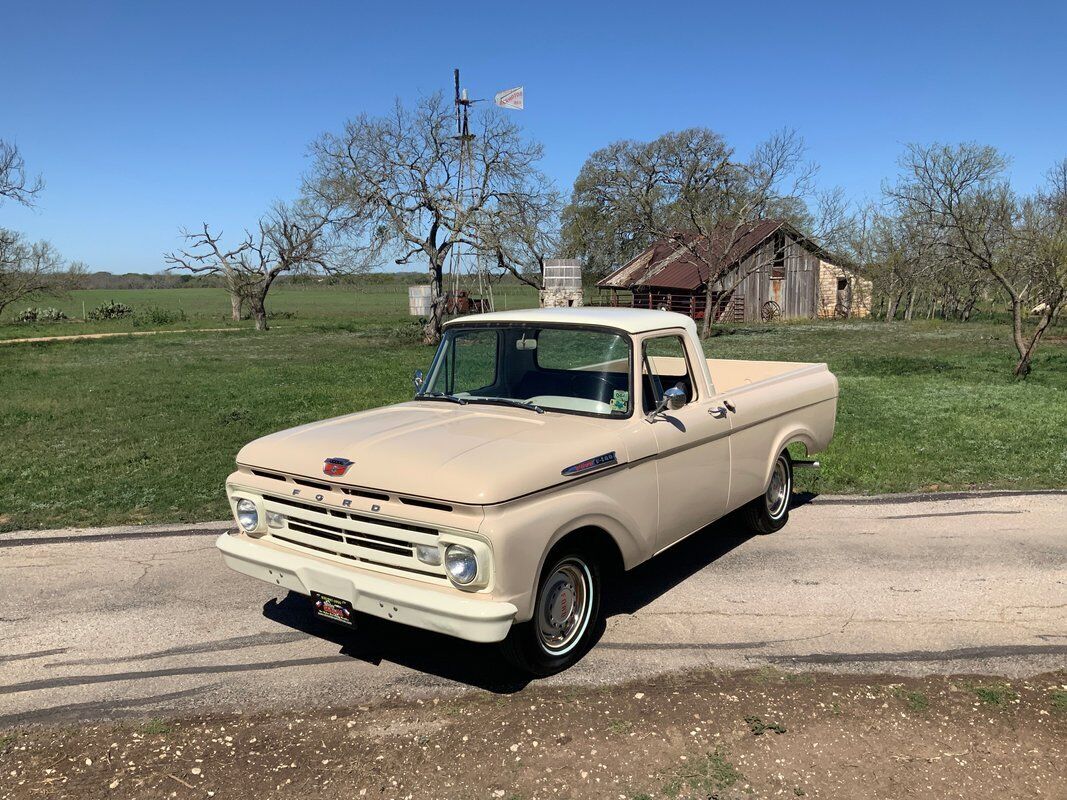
(909, 309)
(1026, 348)
(257, 304)
(891, 307)
(237, 300)
(714, 275)
(431, 331)
(709, 310)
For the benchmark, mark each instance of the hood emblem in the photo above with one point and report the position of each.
(336, 467)
(597, 462)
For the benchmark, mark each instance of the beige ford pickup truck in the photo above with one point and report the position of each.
(543, 453)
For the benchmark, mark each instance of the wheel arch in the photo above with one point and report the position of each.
(590, 535)
(797, 434)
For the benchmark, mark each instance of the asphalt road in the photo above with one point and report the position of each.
(100, 624)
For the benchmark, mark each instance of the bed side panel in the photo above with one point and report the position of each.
(796, 407)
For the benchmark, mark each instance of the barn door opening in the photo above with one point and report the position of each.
(773, 307)
(844, 298)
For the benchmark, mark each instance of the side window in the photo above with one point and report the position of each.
(664, 365)
(472, 360)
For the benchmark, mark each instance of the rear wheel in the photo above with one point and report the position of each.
(566, 617)
(770, 511)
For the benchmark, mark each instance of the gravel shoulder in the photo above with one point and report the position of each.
(699, 735)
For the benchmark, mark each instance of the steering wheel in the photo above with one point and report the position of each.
(609, 387)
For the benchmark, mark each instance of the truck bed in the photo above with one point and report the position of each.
(730, 374)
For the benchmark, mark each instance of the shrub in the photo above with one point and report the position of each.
(247, 314)
(109, 310)
(995, 694)
(37, 314)
(159, 316)
(408, 331)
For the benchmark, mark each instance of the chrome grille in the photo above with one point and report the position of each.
(384, 544)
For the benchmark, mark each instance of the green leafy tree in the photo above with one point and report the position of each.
(689, 187)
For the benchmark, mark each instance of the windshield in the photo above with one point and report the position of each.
(576, 370)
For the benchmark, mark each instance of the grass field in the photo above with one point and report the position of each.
(145, 429)
(363, 308)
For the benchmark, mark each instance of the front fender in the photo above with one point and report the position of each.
(523, 531)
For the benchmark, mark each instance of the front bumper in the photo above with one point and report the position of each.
(443, 610)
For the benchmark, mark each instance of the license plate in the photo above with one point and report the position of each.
(333, 609)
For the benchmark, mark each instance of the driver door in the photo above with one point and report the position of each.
(693, 444)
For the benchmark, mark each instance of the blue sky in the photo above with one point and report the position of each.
(146, 116)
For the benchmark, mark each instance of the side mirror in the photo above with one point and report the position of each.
(672, 400)
(674, 397)
(418, 380)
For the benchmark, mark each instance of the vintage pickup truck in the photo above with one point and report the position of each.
(544, 452)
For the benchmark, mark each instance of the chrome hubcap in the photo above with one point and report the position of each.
(778, 492)
(563, 608)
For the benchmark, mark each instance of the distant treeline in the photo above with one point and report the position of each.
(166, 280)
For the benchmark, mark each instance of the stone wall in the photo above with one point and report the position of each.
(829, 274)
(561, 298)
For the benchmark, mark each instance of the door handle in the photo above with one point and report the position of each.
(719, 412)
(730, 406)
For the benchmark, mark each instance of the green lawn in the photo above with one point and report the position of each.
(146, 428)
(928, 406)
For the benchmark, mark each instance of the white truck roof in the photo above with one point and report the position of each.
(631, 320)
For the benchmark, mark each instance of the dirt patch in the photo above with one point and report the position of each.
(706, 735)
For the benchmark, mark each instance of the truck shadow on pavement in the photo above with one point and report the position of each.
(482, 666)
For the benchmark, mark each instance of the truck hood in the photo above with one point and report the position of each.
(474, 454)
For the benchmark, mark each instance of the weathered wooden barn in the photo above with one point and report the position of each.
(774, 272)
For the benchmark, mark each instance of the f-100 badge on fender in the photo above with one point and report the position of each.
(598, 462)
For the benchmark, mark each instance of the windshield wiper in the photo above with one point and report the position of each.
(507, 401)
(442, 396)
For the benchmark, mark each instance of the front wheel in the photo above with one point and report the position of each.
(770, 511)
(566, 617)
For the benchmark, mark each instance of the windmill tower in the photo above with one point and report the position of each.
(471, 268)
(466, 284)
(467, 272)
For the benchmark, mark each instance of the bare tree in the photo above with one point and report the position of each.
(14, 183)
(395, 178)
(209, 256)
(961, 195)
(1044, 231)
(288, 240)
(688, 187)
(31, 269)
(896, 256)
(521, 230)
(27, 269)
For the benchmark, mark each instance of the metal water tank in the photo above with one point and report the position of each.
(562, 283)
(419, 301)
(563, 275)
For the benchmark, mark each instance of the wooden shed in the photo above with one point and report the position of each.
(774, 272)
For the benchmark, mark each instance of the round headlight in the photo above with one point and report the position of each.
(460, 563)
(247, 515)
